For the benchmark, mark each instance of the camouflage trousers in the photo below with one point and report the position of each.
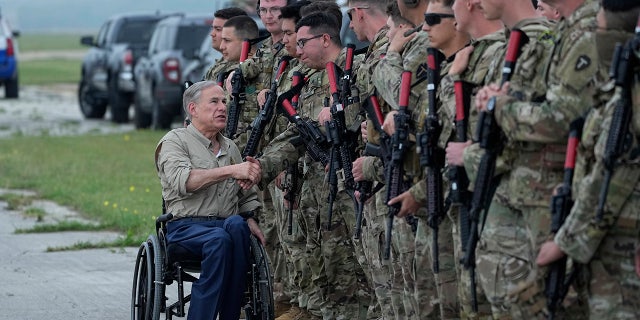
(284, 268)
(464, 276)
(505, 260)
(437, 293)
(369, 253)
(338, 288)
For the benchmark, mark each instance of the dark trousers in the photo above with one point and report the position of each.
(224, 249)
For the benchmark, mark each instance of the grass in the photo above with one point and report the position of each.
(49, 71)
(50, 41)
(110, 178)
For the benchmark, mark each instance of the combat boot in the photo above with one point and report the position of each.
(281, 307)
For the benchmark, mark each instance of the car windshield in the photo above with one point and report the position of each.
(136, 31)
(189, 38)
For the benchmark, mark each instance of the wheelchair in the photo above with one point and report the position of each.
(159, 264)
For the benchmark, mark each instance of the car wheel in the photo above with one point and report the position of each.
(119, 102)
(161, 119)
(141, 118)
(11, 88)
(90, 107)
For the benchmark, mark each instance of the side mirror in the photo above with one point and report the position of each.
(87, 41)
(16, 33)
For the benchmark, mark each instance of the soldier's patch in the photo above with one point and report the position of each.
(583, 62)
(421, 72)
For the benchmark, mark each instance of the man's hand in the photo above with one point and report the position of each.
(247, 173)
(455, 152)
(549, 252)
(399, 40)
(280, 179)
(262, 97)
(492, 90)
(358, 173)
(255, 230)
(287, 204)
(389, 124)
(227, 82)
(324, 116)
(461, 61)
(363, 131)
(408, 204)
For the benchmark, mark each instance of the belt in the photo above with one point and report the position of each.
(198, 218)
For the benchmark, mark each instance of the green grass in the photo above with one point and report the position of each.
(110, 178)
(50, 41)
(49, 71)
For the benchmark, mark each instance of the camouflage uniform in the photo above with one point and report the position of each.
(258, 72)
(337, 288)
(606, 248)
(536, 126)
(386, 78)
(369, 247)
(220, 66)
(483, 54)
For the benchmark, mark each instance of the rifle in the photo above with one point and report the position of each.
(432, 156)
(561, 203)
(371, 106)
(492, 140)
(314, 140)
(238, 96)
(399, 146)
(266, 113)
(336, 133)
(291, 186)
(619, 137)
(221, 77)
(459, 182)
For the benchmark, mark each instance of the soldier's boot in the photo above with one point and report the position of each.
(292, 314)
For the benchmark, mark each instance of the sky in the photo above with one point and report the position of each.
(69, 16)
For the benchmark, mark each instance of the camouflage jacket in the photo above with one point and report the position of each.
(221, 66)
(581, 236)
(537, 131)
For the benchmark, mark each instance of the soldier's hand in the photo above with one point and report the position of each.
(408, 204)
(389, 124)
(399, 40)
(324, 115)
(484, 95)
(455, 153)
(358, 174)
(262, 97)
(287, 204)
(549, 252)
(363, 131)
(280, 180)
(255, 230)
(227, 82)
(249, 170)
(461, 61)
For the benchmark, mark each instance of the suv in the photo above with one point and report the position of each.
(8, 59)
(107, 69)
(176, 41)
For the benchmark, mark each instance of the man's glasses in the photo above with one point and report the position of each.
(432, 19)
(303, 41)
(273, 10)
(350, 11)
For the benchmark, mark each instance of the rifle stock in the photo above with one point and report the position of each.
(237, 94)
(291, 186)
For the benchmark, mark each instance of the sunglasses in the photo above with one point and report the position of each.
(303, 41)
(350, 11)
(432, 19)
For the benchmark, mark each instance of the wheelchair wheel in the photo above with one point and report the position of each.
(261, 286)
(147, 295)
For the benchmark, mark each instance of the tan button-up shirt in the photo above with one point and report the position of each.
(182, 149)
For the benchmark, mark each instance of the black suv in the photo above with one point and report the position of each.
(175, 43)
(107, 69)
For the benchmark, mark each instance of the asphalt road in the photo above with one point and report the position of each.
(36, 284)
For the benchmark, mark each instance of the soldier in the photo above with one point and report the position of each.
(605, 247)
(470, 66)
(535, 124)
(221, 65)
(368, 20)
(337, 289)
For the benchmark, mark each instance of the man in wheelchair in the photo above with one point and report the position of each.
(212, 195)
